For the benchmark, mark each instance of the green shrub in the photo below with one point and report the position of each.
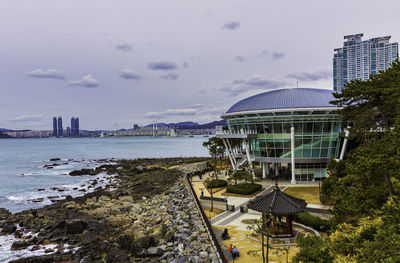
(312, 221)
(244, 189)
(216, 183)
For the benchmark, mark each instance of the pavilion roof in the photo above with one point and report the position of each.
(277, 203)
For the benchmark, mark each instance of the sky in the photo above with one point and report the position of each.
(117, 63)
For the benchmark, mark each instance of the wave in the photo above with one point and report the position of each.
(15, 198)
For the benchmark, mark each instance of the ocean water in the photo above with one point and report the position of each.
(22, 161)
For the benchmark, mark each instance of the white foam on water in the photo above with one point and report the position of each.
(5, 249)
(15, 198)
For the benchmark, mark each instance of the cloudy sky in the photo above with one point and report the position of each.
(137, 61)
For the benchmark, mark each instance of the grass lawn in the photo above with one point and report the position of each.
(212, 214)
(308, 193)
(250, 250)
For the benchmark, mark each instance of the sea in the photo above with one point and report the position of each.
(26, 182)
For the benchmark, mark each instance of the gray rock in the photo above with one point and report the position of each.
(8, 229)
(196, 259)
(75, 226)
(203, 254)
(154, 251)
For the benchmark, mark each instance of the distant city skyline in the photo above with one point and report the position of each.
(138, 61)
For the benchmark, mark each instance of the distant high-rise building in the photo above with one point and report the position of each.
(359, 59)
(55, 126)
(60, 127)
(75, 127)
(135, 126)
(68, 132)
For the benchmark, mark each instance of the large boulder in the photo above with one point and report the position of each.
(75, 226)
(8, 229)
(16, 245)
(119, 220)
(158, 233)
(169, 236)
(4, 214)
(155, 251)
(89, 237)
(141, 240)
(116, 255)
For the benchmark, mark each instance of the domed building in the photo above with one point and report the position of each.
(283, 128)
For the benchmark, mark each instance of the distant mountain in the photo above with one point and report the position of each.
(185, 124)
(210, 125)
(4, 130)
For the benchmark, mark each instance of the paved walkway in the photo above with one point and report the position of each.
(234, 218)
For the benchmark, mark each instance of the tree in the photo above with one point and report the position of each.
(372, 104)
(210, 189)
(261, 230)
(365, 187)
(312, 249)
(216, 149)
(237, 176)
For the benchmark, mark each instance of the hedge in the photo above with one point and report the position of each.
(244, 189)
(216, 183)
(312, 221)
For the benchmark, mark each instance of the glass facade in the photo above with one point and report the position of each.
(316, 136)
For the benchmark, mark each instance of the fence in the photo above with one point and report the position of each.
(207, 224)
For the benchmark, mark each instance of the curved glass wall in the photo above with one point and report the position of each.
(316, 134)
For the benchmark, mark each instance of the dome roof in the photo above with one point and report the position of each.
(285, 99)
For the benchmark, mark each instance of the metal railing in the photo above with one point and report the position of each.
(206, 222)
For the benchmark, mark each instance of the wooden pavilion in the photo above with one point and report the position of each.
(279, 204)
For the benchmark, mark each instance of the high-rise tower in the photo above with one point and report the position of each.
(73, 127)
(60, 127)
(77, 127)
(54, 126)
(359, 59)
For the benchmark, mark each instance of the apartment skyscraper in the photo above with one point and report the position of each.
(60, 127)
(54, 126)
(359, 59)
(75, 127)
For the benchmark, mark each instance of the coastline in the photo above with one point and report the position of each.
(149, 215)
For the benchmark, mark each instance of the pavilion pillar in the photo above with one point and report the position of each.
(289, 227)
(292, 155)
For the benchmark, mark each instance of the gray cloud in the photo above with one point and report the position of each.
(130, 74)
(170, 76)
(24, 118)
(263, 53)
(274, 55)
(185, 65)
(48, 74)
(162, 65)
(240, 58)
(311, 76)
(231, 25)
(277, 55)
(124, 47)
(256, 82)
(171, 112)
(86, 81)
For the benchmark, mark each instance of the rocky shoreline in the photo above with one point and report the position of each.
(148, 216)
